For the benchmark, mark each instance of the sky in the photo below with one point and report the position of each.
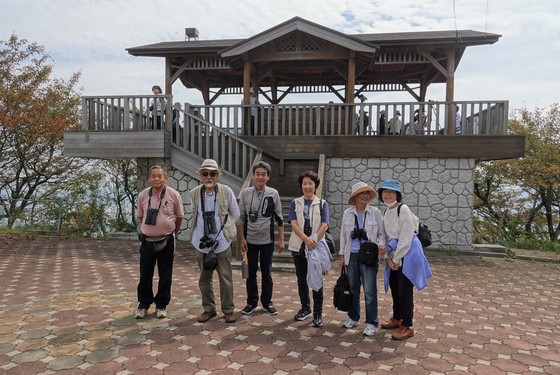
(91, 37)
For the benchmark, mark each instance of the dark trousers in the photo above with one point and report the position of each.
(157, 121)
(252, 125)
(303, 289)
(265, 252)
(148, 260)
(403, 298)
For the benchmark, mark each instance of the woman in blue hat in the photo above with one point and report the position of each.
(407, 266)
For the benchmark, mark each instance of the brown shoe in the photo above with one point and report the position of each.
(206, 316)
(391, 324)
(230, 318)
(403, 333)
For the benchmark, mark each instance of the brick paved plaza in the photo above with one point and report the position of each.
(67, 305)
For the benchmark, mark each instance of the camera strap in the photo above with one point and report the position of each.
(202, 198)
(358, 225)
(161, 196)
(260, 203)
(222, 227)
(356, 221)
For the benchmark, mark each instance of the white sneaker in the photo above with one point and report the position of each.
(370, 330)
(140, 313)
(349, 323)
(161, 313)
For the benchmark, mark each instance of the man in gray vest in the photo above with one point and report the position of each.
(213, 223)
(260, 208)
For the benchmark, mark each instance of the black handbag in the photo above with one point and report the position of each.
(368, 253)
(342, 296)
(424, 235)
(210, 261)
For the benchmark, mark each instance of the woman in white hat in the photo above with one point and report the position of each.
(361, 223)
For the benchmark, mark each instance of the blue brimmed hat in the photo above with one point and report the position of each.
(390, 184)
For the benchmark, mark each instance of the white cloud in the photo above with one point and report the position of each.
(91, 36)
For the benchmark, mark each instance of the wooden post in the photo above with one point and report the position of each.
(350, 82)
(246, 90)
(168, 118)
(449, 92)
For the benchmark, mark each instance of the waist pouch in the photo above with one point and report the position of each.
(155, 243)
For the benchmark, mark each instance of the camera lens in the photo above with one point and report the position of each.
(205, 242)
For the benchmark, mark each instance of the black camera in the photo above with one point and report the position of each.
(253, 216)
(359, 234)
(209, 222)
(206, 242)
(307, 231)
(151, 216)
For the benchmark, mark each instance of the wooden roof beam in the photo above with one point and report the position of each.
(335, 91)
(434, 62)
(180, 70)
(285, 93)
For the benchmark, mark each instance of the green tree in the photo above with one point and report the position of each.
(86, 206)
(521, 197)
(35, 109)
(122, 177)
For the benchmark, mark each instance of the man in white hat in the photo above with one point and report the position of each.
(362, 230)
(213, 223)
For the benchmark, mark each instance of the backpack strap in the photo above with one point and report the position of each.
(398, 210)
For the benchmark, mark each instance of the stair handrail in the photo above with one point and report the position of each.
(321, 175)
(193, 135)
(249, 177)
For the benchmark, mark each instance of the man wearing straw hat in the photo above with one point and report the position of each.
(213, 223)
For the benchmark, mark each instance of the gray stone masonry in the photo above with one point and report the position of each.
(439, 191)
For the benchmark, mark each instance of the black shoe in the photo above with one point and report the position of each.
(248, 310)
(270, 310)
(303, 314)
(317, 321)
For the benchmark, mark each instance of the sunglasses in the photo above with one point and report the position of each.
(212, 174)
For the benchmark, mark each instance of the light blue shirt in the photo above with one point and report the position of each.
(211, 204)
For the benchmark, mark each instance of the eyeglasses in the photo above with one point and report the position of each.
(212, 174)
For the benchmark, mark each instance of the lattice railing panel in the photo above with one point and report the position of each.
(311, 43)
(286, 44)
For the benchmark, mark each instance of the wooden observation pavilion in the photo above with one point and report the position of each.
(302, 57)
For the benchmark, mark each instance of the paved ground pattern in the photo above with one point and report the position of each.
(67, 304)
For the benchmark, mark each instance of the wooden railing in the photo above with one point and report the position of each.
(199, 137)
(121, 113)
(438, 118)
